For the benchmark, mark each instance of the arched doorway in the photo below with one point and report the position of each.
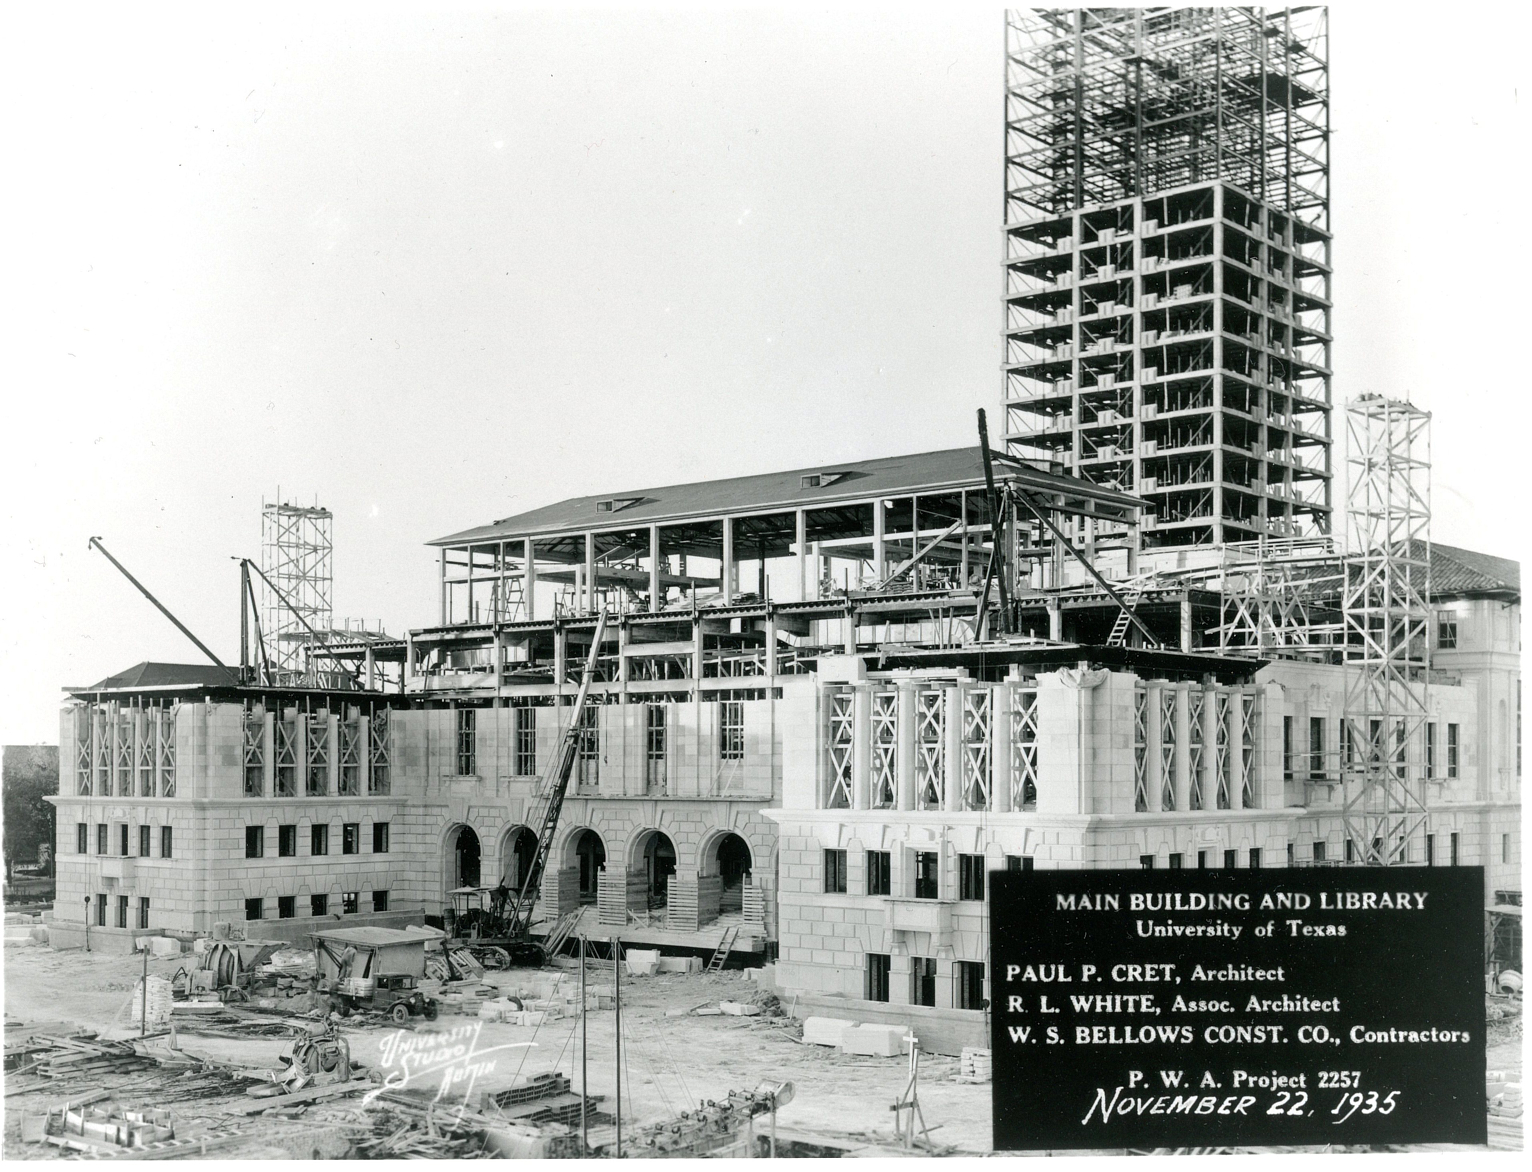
(517, 851)
(463, 854)
(731, 856)
(654, 857)
(588, 852)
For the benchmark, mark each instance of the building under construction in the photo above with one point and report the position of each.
(1167, 264)
(823, 704)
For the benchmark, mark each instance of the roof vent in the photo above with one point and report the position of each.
(819, 479)
(617, 504)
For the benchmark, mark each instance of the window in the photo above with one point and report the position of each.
(1446, 630)
(1319, 851)
(1452, 845)
(167, 842)
(1287, 748)
(255, 843)
(351, 838)
(1316, 748)
(590, 747)
(319, 838)
(1146, 862)
(1350, 850)
(350, 902)
(970, 876)
(380, 838)
(1174, 862)
(878, 968)
(318, 772)
(467, 737)
(926, 880)
(1505, 848)
(1230, 859)
(287, 841)
(143, 911)
(122, 841)
(526, 741)
(1452, 750)
(731, 730)
(1431, 749)
(82, 838)
(879, 876)
(122, 911)
(654, 747)
(103, 833)
(1019, 862)
(101, 910)
(1255, 858)
(970, 984)
(835, 871)
(252, 909)
(380, 901)
(1202, 860)
(319, 905)
(923, 981)
(1430, 850)
(287, 907)
(1292, 855)
(145, 841)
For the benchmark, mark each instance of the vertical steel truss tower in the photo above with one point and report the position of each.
(296, 552)
(1387, 625)
(1167, 262)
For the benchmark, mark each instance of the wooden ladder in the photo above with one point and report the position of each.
(1130, 598)
(725, 946)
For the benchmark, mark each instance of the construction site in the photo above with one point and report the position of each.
(678, 806)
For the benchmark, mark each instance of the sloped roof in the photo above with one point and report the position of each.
(1457, 571)
(372, 937)
(152, 675)
(856, 480)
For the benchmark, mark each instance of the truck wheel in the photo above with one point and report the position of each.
(431, 1011)
(400, 1013)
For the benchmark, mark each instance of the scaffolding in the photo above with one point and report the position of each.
(296, 559)
(1279, 599)
(1105, 104)
(1386, 610)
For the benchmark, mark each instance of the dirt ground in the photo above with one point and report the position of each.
(670, 1062)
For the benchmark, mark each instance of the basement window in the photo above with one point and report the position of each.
(970, 984)
(252, 909)
(319, 905)
(287, 907)
(380, 901)
(879, 966)
(350, 902)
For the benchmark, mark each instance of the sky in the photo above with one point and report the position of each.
(430, 266)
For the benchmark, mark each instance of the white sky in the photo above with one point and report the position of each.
(433, 267)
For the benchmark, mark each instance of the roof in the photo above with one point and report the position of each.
(1462, 572)
(161, 675)
(371, 937)
(855, 480)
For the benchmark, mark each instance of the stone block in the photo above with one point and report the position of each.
(826, 1031)
(883, 1041)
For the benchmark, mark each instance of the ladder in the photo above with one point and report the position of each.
(1130, 599)
(562, 930)
(549, 800)
(725, 946)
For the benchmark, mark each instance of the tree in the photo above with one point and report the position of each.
(28, 773)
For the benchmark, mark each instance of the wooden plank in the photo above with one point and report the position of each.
(266, 1102)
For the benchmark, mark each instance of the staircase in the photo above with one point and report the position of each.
(725, 946)
(1130, 598)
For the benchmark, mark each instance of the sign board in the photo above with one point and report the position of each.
(1332, 1005)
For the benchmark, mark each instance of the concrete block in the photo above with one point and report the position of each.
(882, 1041)
(826, 1031)
(739, 1008)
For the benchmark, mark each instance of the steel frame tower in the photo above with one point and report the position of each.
(1387, 615)
(296, 556)
(1167, 262)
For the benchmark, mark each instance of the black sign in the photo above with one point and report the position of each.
(1335, 1005)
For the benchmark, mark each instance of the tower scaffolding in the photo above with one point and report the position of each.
(296, 555)
(1387, 616)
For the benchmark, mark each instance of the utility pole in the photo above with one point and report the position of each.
(617, 1017)
(584, 1054)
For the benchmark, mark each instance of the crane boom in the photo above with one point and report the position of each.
(550, 796)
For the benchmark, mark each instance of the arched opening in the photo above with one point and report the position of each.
(463, 854)
(516, 854)
(654, 858)
(733, 860)
(590, 856)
